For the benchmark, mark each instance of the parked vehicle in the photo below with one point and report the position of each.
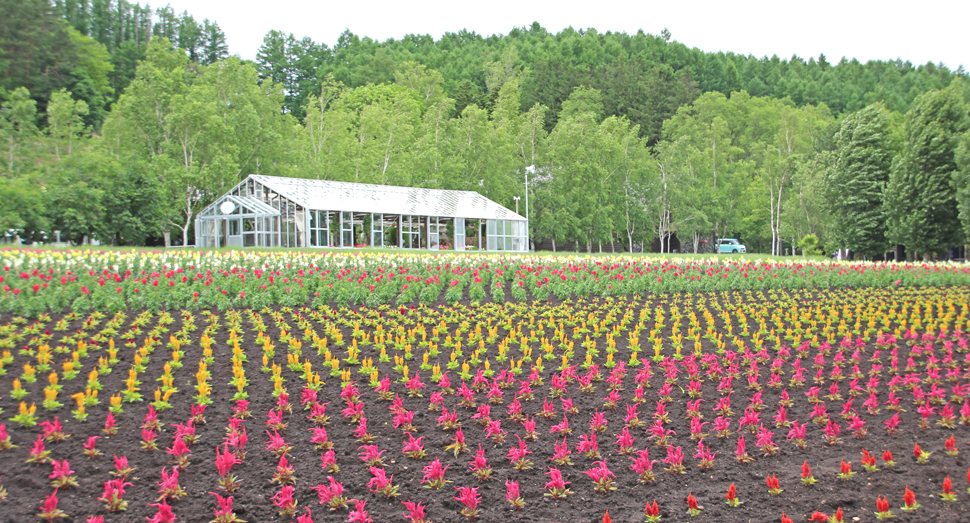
(730, 245)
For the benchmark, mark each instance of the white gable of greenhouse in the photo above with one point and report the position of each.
(388, 199)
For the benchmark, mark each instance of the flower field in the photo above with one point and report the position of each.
(333, 387)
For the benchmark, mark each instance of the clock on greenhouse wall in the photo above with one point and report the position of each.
(227, 207)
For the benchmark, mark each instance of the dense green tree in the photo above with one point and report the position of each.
(864, 150)
(21, 205)
(133, 201)
(36, 49)
(921, 204)
(199, 129)
(214, 46)
(291, 64)
(18, 122)
(709, 174)
(65, 120)
(72, 197)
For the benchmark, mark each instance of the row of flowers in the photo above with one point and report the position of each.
(38, 281)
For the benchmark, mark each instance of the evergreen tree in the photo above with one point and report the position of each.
(921, 203)
(864, 150)
(961, 181)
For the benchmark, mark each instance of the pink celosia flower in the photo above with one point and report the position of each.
(359, 515)
(469, 497)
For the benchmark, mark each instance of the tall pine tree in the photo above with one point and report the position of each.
(921, 203)
(864, 150)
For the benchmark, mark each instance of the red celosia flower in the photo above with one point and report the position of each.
(887, 457)
(785, 518)
(148, 440)
(151, 419)
(845, 471)
(458, 443)
(5, 443)
(882, 508)
(948, 495)
(909, 500)
(692, 507)
(224, 464)
(732, 498)
(807, 477)
(381, 484)
(869, 461)
(951, 446)
(773, 487)
(819, 516)
(653, 512)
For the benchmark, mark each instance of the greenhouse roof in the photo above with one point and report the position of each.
(388, 199)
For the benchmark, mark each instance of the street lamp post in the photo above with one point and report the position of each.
(529, 169)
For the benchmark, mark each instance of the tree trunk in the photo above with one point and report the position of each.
(553, 245)
(168, 238)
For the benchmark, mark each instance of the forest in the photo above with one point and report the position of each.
(119, 122)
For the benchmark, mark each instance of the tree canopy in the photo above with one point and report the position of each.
(119, 122)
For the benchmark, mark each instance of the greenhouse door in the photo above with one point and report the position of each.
(433, 233)
(459, 234)
(235, 238)
(377, 230)
(346, 229)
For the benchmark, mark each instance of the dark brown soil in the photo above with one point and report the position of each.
(27, 485)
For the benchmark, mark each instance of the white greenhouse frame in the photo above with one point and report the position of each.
(271, 211)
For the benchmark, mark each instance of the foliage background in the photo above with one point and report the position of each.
(120, 121)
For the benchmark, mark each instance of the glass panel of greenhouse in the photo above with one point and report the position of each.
(270, 211)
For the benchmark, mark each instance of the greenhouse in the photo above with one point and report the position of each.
(270, 211)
